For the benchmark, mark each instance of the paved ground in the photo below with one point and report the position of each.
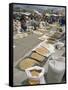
(21, 47)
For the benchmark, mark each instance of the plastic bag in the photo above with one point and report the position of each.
(38, 78)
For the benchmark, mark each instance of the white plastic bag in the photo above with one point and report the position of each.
(40, 77)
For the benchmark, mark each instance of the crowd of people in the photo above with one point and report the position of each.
(35, 21)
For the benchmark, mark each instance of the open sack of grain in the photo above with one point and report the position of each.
(35, 75)
(44, 49)
(37, 57)
(27, 63)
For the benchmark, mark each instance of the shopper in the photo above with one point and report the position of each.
(23, 23)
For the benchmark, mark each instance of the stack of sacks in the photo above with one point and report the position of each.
(17, 26)
(35, 75)
(56, 69)
(14, 26)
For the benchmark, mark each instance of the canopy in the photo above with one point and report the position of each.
(54, 14)
(26, 13)
(37, 12)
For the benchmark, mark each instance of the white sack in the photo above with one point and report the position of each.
(40, 77)
(56, 69)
